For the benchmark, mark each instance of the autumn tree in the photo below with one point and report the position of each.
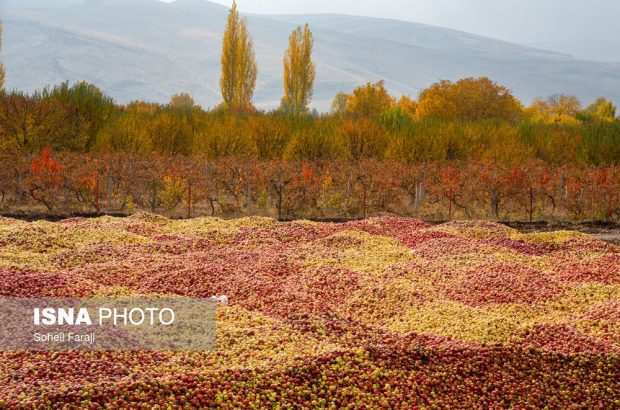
(562, 104)
(128, 132)
(270, 136)
(601, 110)
(224, 136)
(469, 99)
(142, 107)
(557, 109)
(89, 109)
(238, 64)
(182, 101)
(408, 105)
(314, 142)
(339, 104)
(173, 191)
(131, 130)
(46, 179)
(32, 121)
(299, 71)
(169, 134)
(401, 115)
(1, 66)
(369, 100)
(363, 138)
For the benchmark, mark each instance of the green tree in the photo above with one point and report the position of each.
(299, 71)
(238, 64)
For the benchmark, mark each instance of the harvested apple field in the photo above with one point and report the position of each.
(381, 313)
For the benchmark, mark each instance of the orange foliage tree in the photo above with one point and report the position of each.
(46, 179)
(468, 99)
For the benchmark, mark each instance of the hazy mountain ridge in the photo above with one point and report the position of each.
(144, 49)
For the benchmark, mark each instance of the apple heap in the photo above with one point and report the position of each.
(382, 313)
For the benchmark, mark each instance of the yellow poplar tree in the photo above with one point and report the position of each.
(238, 64)
(1, 66)
(299, 70)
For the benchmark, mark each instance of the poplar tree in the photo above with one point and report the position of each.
(238, 64)
(299, 71)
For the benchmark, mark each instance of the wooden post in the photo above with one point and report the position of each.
(97, 192)
(363, 200)
(450, 204)
(189, 199)
(531, 203)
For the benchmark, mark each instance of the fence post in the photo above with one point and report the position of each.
(450, 204)
(97, 192)
(189, 199)
(364, 200)
(531, 203)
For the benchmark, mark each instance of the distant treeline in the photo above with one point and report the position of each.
(473, 119)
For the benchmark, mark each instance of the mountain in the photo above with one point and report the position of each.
(146, 49)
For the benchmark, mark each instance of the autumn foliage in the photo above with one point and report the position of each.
(373, 155)
(299, 71)
(369, 100)
(329, 188)
(238, 64)
(46, 179)
(468, 100)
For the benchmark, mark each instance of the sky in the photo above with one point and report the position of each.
(584, 28)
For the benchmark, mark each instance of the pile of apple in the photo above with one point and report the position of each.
(381, 313)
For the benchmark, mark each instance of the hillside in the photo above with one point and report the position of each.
(145, 49)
